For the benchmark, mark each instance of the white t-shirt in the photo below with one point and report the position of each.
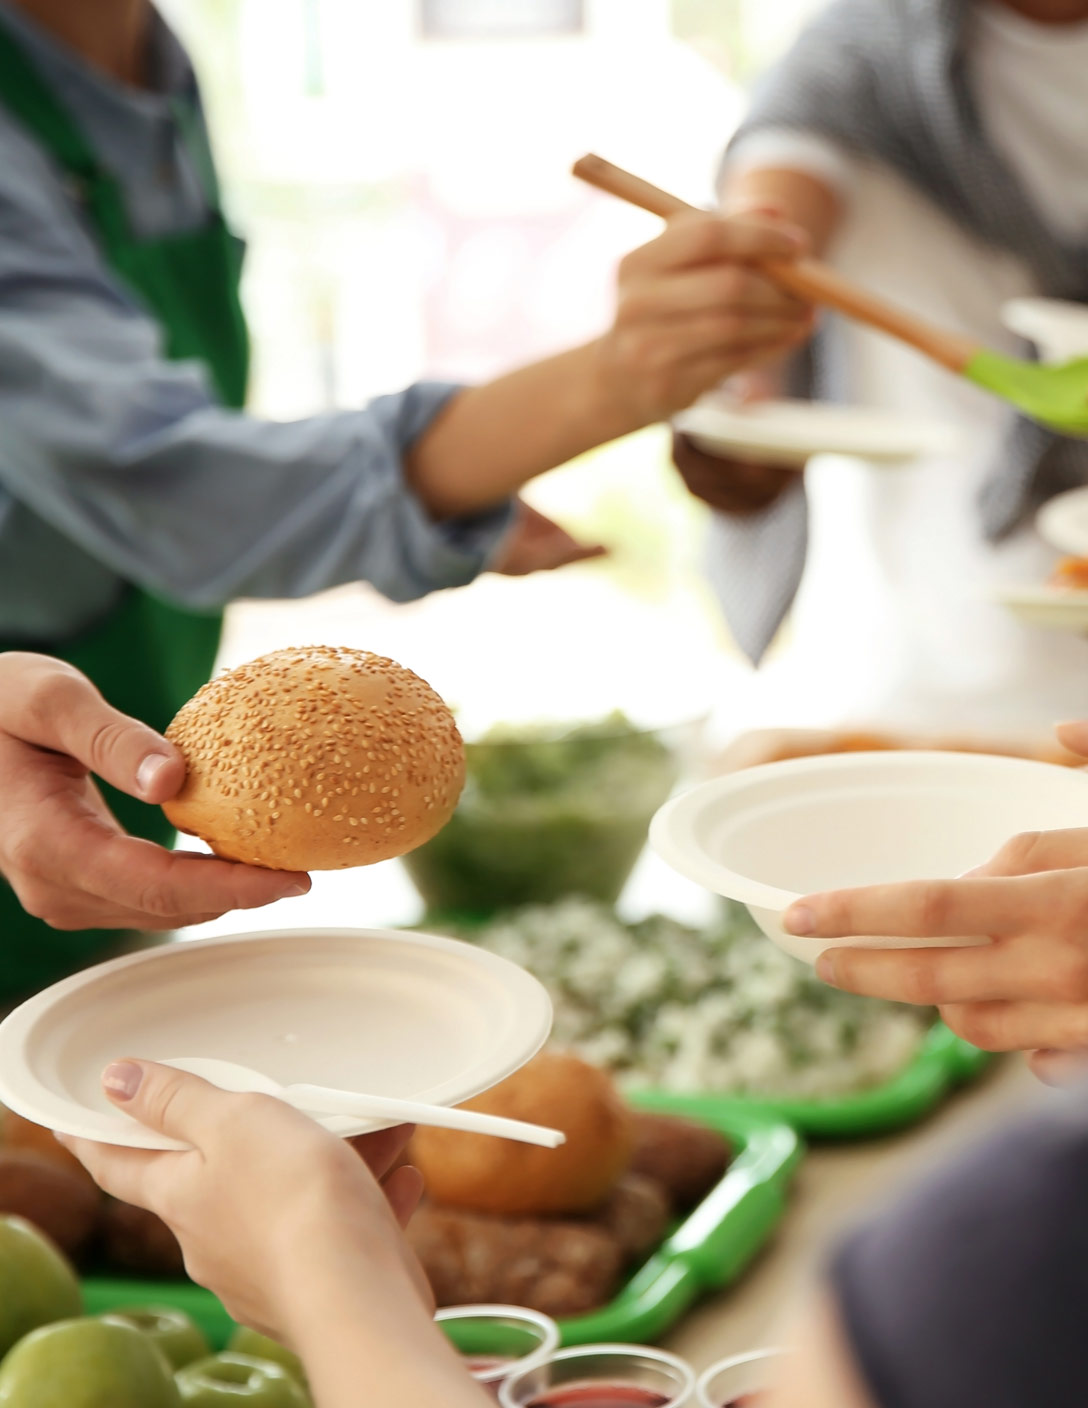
(894, 620)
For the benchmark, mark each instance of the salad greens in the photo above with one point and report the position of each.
(546, 812)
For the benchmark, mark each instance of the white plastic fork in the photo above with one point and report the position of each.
(326, 1100)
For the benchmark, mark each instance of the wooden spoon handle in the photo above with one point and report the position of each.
(808, 279)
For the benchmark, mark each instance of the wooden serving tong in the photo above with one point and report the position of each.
(1056, 396)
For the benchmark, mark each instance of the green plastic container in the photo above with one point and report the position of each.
(707, 1251)
(943, 1062)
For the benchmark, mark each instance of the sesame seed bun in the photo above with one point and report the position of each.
(316, 758)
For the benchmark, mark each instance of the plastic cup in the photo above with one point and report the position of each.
(496, 1341)
(602, 1376)
(738, 1382)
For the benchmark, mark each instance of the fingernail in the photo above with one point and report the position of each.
(294, 890)
(61, 1138)
(149, 770)
(800, 920)
(122, 1079)
(825, 968)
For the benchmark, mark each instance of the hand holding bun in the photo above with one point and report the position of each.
(558, 1089)
(316, 758)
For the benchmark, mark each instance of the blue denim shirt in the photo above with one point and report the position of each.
(117, 465)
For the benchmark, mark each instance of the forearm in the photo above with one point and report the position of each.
(797, 196)
(378, 1347)
(807, 202)
(200, 504)
(492, 439)
(690, 309)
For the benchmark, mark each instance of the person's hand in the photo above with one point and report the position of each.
(693, 308)
(1025, 990)
(536, 544)
(61, 850)
(727, 484)
(275, 1215)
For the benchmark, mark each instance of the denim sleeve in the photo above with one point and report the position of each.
(130, 457)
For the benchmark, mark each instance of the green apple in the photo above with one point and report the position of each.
(37, 1285)
(257, 1346)
(86, 1364)
(239, 1379)
(172, 1330)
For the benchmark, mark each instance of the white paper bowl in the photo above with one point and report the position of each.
(1058, 328)
(377, 1011)
(769, 835)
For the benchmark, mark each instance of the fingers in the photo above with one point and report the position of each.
(674, 361)
(381, 1151)
(918, 909)
(404, 1188)
(50, 705)
(70, 912)
(582, 552)
(1074, 736)
(1020, 1026)
(1030, 967)
(735, 287)
(1058, 1068)
(689, 312)
(164, 883)
(97, 875)
(925, 977)
(132, 884)
(169, 1101)
(120, 1172)
(705, 238)
(1036, 851)
(536, 544)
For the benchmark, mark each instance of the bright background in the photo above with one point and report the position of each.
(400, 168)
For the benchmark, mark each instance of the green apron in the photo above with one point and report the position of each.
(147, 657)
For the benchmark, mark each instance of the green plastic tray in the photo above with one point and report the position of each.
(707, 1251)
(715, 1242)
(943, 1062)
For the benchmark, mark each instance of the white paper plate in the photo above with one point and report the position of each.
(767, 836)
(1054, 608)
(789, 432)
(1058, 328)
(1063, 522)
(377, 1011)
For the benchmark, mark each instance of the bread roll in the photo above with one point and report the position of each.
(316, 758)
(481, 1174)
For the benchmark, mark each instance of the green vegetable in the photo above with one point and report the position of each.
(546, 813)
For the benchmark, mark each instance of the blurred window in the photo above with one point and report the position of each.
(500, 19)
